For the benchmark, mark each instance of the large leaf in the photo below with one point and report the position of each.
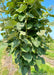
(12, 35)
(22, 8)
(22, 33)
(25, 48)
(41, 51)
(29, 15)
(14, 16)
(35, 42)
(21, 17)
(10, 24)
(15, 43)
(27, 56)
(26, 41)
(29, 26)
(20, 25)
(17, 59)
(24, 70)
(41, 33)
(42, 59)
(36, 67)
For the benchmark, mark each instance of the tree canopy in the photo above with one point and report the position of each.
(26, 32)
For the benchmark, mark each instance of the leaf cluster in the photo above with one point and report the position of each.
(26, 32)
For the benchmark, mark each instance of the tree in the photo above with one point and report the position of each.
(26, 32)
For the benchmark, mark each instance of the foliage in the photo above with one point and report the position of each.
(44, 69)
(26, 32)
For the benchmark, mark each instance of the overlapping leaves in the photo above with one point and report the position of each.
(25, 32)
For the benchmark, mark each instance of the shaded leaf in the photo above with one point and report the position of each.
(26, 48)
(24, 70)
(36, 67)
(42, 59)
(27, 56)
(29, 26)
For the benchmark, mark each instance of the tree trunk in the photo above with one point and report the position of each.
(29, 72)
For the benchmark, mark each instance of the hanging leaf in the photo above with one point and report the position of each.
(26, 41)
(11, 36)
(25, 48)
(20, 25)
(29, 26)
(42, 59)
(29, 15)
(27, 57)
(36, 67)
(26, 31)
(22, 33)
(22, 8)
(21, 17)
(35, 42)
(10, 24)
(24, 70)
(15, 44)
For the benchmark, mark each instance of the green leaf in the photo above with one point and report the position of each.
(9, 24)
(17, 59)
(22, 8)
(15, 43)
(29, 1)
(51, 15)
(20, 25)
(42, 59)
(27, 57)
(32, 63)
(29, 26)
(36, 67)
(22, 33)
(25, 48)
(14, 16)
(40, 51)
(12, 35)
(21, 17)
(41, 33)
(27, 41)
(29, 15)
(35, 42)
(24, 70)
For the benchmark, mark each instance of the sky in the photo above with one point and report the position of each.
(46, 3)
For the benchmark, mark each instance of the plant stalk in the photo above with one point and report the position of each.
(29, 72)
